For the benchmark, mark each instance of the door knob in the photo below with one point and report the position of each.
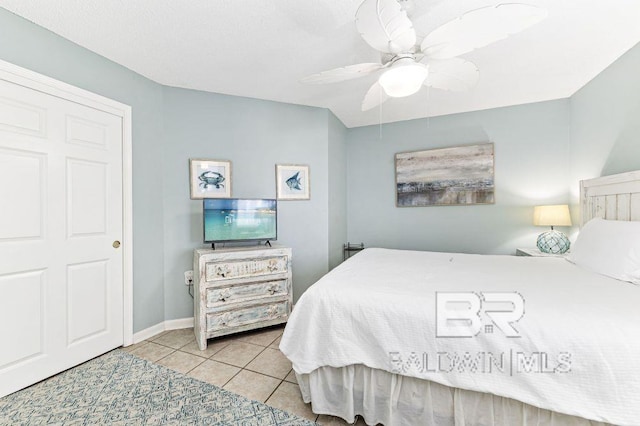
(116, 244)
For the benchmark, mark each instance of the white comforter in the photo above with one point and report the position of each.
(378, 309)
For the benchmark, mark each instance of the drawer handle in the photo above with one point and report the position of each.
(222, 271)
(272, 311)
(224, 318)
(273, 265)
(224, 295)
(272, 288)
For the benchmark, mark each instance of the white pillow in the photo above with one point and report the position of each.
(609, 247)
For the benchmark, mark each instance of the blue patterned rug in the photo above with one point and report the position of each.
(121, 389)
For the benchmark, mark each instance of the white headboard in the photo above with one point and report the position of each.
(615, 197)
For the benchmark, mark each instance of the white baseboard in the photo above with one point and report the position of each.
(163, 326)
(148, 332)
(177, 324)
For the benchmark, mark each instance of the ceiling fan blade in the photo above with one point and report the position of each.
(342, 73)
(375, 96)
(455, 74)
(384, 25)
(479, 28)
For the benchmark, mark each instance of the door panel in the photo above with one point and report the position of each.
(61, 279)
(87, 281)
(22, 195)
(22, 303)
(85, 132)
(20, 117)
(87, 198)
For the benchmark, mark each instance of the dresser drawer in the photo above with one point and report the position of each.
(247, 315)
(218, 296)
(245, 268)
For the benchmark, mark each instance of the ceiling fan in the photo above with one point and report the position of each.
(409, 63)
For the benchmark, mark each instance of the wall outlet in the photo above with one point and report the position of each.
(188, 277)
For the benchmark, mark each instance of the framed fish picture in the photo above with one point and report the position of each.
(209, 178)
(292, 182)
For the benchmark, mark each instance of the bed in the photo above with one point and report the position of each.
(407, 337)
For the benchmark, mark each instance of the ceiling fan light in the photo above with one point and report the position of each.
(403, 78)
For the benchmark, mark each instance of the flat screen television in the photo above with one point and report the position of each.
(236, 219)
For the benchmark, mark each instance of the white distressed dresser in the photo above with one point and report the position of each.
(239, 289)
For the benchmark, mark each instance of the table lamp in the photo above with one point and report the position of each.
(554, 242)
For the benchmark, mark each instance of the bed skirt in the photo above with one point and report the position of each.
(393, 400)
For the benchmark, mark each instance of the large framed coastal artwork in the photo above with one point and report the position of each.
(446, 176)
(209, 178)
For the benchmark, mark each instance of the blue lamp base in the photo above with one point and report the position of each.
(554, 242)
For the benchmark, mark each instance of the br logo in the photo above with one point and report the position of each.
(466, 314)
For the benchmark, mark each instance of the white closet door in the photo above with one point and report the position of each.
(61, 213)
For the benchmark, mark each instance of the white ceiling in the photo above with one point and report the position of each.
(260, 49)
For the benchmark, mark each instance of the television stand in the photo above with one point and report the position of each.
(267, 243)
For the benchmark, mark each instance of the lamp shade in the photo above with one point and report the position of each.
(404, 78)
(557, 215)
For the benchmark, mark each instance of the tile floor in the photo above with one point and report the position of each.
(249, 364)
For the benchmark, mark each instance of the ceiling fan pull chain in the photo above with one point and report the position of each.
(427, 107)
(380, 113)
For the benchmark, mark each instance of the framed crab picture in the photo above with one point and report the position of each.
(210, 178)
(292, 182)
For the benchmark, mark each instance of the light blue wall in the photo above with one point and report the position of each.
(30, 46)
(337, 174)
(531, 156)
(605, 123)
(255, 135)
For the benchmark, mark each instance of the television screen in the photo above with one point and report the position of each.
(233, 219)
